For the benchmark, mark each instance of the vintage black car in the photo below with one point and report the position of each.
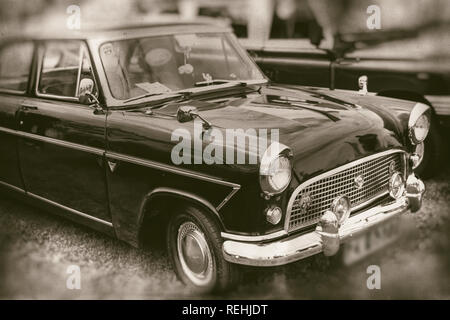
(392, 64)
(95, 125)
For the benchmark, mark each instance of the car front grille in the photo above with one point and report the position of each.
(311, 199)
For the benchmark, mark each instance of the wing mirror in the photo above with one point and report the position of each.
(186, 113)
(189, 113)
(87, 97)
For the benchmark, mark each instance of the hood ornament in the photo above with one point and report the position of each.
(362, 84)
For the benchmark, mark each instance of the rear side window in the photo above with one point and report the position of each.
(15, 65)
(66, 70)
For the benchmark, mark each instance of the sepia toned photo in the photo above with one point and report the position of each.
(212, 150)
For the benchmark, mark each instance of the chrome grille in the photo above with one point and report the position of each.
(320, 191)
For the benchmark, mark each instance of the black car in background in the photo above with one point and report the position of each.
(405, 67)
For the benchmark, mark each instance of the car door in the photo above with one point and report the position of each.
(15, 65)
(62, 142)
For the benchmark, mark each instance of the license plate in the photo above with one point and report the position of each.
(370, 241)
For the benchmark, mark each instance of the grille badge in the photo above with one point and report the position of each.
(305, 201)
(391, 167)
(359, 181)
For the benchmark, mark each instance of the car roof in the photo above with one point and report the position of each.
(123, 31)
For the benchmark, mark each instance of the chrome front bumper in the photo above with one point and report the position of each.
(298, 247)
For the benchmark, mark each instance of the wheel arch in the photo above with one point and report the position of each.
(158, 206)
(436, 130)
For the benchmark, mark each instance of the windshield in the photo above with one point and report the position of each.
(164, 64)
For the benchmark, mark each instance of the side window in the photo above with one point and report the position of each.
(66, 70)
(15, 64)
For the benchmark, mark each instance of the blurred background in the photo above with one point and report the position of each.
(253, 19)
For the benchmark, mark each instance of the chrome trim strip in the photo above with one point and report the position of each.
(117, 156)
(11, 91)
(168, 168)
(302, 246)
(281, 233)
(244, 238)
(58, 142)
(332, 172)
(361, 205)
(7, 185)
(80, 64)
(227, 198)
(181, 193)
(416, 112)
(76, 212)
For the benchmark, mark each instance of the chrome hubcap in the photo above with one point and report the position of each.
(420, 151)
(194, 253)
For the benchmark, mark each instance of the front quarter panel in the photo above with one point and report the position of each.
(138, 163)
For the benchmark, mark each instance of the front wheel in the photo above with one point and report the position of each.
(195, 248)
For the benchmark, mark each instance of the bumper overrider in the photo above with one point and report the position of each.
(328, 234)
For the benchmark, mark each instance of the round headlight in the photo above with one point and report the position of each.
(275, 171)
(419, 131)
(341, 208)
(273, 215)
(419, 123)
(396, 185)
(279, 173)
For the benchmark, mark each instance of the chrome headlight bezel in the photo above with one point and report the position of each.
(396, 185)
(274, 215)
(420, 114)
(341, 203)
(274, 153)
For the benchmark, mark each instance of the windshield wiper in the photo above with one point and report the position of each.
(243, 83)
(183, 92)
(215, 82)
(186, 94)
(145, 95)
